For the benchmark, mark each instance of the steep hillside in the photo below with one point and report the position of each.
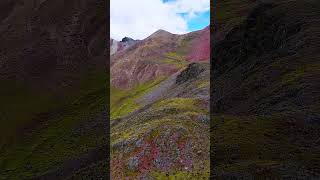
(53, 84)
(266, 72)
(160, 108)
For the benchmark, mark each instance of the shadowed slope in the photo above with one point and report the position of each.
(53, 80)
(266, 91)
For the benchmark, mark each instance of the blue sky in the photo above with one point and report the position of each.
(200, 21)
(138, 19)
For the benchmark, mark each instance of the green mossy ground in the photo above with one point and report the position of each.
(247, 144)
(257, 146)
(51, 127)
(95, 171)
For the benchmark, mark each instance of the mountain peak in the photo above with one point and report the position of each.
(160, 32)
(126, 39)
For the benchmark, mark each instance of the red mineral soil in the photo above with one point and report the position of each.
(200, 50)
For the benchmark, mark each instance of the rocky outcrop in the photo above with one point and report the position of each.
(192, 71)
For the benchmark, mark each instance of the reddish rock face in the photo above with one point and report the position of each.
(144, 60)
(200, 46)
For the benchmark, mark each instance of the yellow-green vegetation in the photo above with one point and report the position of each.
(301, 72)
(187, 107)
(176, 59)
(204, 84)
(123, 102)
(186, 104)
(179, 64)
(175, 55)
(138, 129)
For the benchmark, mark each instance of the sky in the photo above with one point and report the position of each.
(138, 19)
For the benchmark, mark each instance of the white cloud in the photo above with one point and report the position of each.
(190, 6)
(140, 18)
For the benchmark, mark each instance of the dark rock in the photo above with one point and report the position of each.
(204, 118)
(126, 39)
(192, 71)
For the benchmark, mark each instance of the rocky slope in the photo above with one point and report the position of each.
(160, 108)
(53, 84)
(265, 86)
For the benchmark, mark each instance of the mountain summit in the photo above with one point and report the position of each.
(160, 33)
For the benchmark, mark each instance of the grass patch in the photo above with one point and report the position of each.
(203, 84)
(175, 59)
(123, 102)
(179, 103)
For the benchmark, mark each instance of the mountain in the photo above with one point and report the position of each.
(160, 107)
(160, 54)
(53, 89)
(265, 57)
